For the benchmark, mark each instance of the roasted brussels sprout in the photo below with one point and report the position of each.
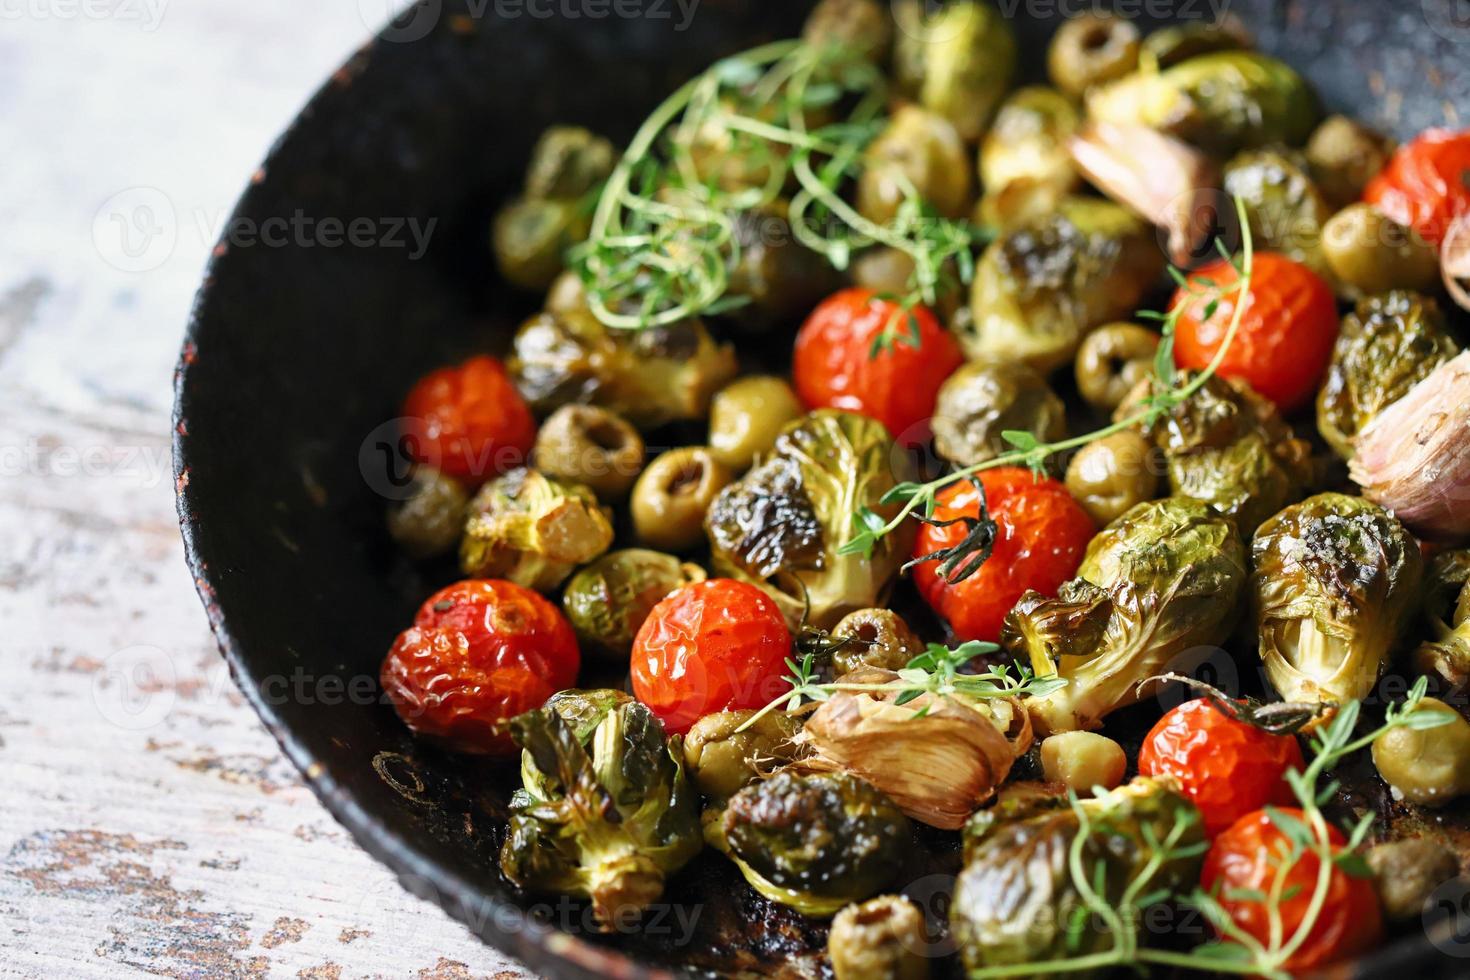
(1223, 102)
(1083, 760)
(779, 277)
(1028, 141)
(1112, 475)
(1390, 343)
(429, 521)
(587, 444)
(1227, 447)
(1091, 49)
(1041, 287)
(781, 525)
(607, 601)
(1427, 766)
(1345, 155)
(873, 638)
(1333, 579)
(1161, 579)
(671, 497)
(1284, 207)
(1015, 900)
(746, 416)
(956, 61)
(533, 530)
(1169, 46)
(649, 377)
(604, 811)
(1445, 616)
(815, 842)
(984, 399)
(919, 151)
(721, 760)
(1024, 201)
(568, 162)
(1112, 360)
(1369, 252)
(1406, 873)
(884, 938)
(861, 28)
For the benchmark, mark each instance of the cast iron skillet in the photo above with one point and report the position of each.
(296, 357)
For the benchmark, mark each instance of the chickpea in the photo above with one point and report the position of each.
(746, 416)
(1373, 253)
(1430, 766)
(672, 495)
(1082, 760)
(1112, 360)
(882, 939)
(1406, 873)
(590, 445)
(881, 639)
(1091, 49)
(1344, 155)
(430, 520)
(721, 761)
(1110, 476)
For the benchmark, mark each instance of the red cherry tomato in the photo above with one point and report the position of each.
(1286, 334)
(711, 646)
(1247, 858)
(479, 653)
(1228, 768)
(469, 421)
(834, 366)
(1040, 535)
(1427, 183)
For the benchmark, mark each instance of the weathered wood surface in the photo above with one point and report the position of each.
(148, 824)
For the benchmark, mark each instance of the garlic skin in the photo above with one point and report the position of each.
(1454, 260)
(1414, 458)
(937, 768)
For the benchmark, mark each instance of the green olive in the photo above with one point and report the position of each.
(1110, 476)
(1373, 253)
(428, 522)
(531, 236)
(721, 760)
(1428, 766)
(1344, 155)
(1406, 873)
(876, 638)
(567, 162)
(590, 445)
(918, 150)
(1111, 362)
(672, 495)
(1082, 760)
(746, 416)
(1091, 49)
(883, 938)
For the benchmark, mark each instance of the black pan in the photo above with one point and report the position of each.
(300, 349)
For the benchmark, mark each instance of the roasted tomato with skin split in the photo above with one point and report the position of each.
(719, 645)
(1286, 333)
(1227, 768)
(479, 653)
(1246, 861)
(839, 364)
(469, 421)
(1426, 184)
(1041, 533)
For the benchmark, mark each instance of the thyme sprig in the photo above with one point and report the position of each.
(869, 527)
(936, 671)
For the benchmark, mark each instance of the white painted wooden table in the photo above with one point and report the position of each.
(148, 824)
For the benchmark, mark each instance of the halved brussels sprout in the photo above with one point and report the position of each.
(1445, 619)
(607, 601)
(1226, 446)
(780, 526)
(604, 811)
(919, 151)
(1016, 899)
(1284, 206)
(649, 377)
(815, 842)
(1386, 346)
(533, 530)
(983, 400)
(1222, 102)
(1041, 287)
(1028, 141)
(956, 61)
(1158, 581)
(1333, 579)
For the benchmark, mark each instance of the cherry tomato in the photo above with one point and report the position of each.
(1247, 858)
(1286, 334)
(479, 653)
(469, 421)
(1040, 535)
(835, 367)
(1427, 183)
(710, 646)
(1227, 767)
